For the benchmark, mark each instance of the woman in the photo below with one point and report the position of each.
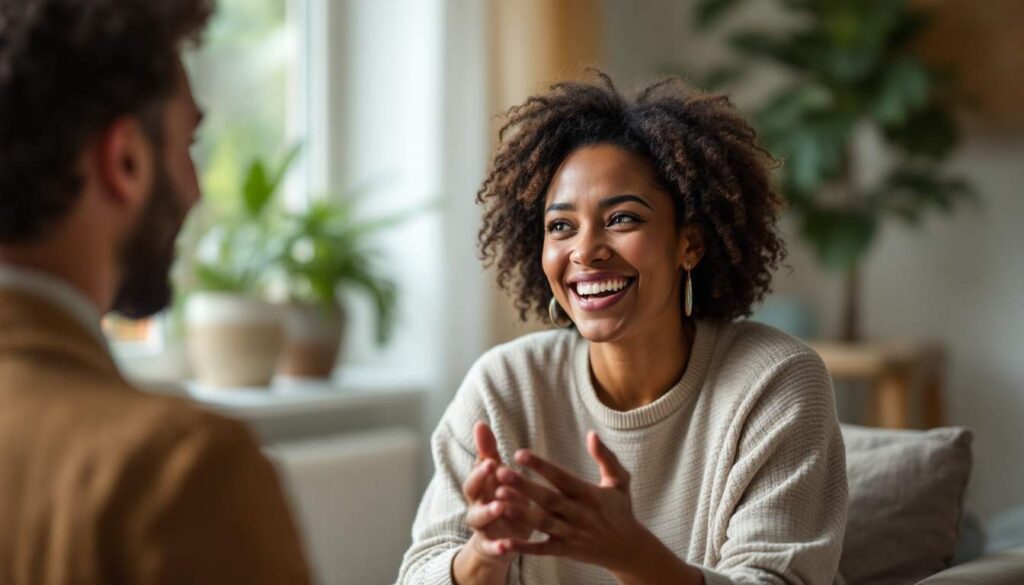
(651, 438)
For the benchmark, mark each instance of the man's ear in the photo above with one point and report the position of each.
(125, 160)
(691, 246)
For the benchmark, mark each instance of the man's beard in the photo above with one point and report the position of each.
(147, 255)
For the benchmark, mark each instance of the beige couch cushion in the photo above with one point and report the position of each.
(906, 494)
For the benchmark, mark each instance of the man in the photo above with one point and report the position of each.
(100, 483)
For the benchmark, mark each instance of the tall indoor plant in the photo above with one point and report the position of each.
(850, 68)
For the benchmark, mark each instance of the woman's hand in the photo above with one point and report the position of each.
(584, 522)
(488, 547)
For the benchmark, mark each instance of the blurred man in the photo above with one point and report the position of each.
(100, 483)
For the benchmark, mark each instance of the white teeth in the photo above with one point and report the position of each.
(593, 288)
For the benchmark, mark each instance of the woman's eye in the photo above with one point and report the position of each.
(623, 218)
(558, 226)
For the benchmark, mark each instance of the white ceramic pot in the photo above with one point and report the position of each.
(234, 340)
(312, 341)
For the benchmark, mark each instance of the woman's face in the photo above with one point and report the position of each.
(612, 252)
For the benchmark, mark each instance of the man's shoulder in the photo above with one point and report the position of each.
(166, 452)
(114, 425)
(165, 423)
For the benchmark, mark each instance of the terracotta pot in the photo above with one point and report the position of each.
(234, 340)
(312, 341)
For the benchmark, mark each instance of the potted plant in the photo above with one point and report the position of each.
(851, 72)
(234, 335)
(325, 251)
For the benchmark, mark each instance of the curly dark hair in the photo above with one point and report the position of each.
(703, 152)
(68, 68)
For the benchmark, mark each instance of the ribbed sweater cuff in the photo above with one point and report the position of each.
(712, 577)
(438, 570)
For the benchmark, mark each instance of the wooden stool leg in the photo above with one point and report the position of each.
(933, 405)
(890, 408)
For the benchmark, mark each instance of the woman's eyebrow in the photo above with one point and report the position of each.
(605, 203)
(619, 199)
(560, 207)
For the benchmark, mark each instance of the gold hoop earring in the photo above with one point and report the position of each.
(557, 315)
(688, 302)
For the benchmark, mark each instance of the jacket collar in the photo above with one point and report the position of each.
(30, 322)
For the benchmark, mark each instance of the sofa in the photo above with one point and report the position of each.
(906, 511)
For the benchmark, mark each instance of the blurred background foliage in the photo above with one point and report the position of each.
(851, 72)
(241, 75)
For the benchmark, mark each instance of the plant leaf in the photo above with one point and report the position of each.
(930, 132)
(382, 293)
(909, 193)
(840, 237)
(279, 173)
(903, 91)
(214, 279)
(710, 12)
(256, 191)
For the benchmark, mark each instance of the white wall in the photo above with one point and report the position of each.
(957, 280)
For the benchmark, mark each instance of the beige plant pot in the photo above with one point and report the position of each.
(312, 341)
(234, 340)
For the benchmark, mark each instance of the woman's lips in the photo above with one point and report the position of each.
(595, 303)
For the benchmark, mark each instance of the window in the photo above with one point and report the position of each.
(241, 78)
(359, 84)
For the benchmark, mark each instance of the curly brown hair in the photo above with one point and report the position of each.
(68, 68)
(703, 152)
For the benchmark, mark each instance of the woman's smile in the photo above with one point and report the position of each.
(598, 291)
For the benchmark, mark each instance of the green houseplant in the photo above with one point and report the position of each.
(234, 334)
(325, 251)
(238, 249)
(850, 68)
(240, 257)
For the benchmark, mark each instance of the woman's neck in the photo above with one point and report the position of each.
(632, 373)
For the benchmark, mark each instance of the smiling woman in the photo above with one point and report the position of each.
(652, 437)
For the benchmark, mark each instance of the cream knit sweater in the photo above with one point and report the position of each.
(739, 468)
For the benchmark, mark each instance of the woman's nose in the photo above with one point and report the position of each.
(590, 247)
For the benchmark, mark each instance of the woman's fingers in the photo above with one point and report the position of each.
(553, 546)
(486, 444)
(477, 480)
(494, 548)
(568, 483)
(514, 499)
(613, 474)
(538, 519)
(480, 515)
(544, 497)
(511, 495)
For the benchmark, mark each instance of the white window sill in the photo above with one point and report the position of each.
(292, 409)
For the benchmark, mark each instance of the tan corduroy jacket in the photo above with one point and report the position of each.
(100, 483)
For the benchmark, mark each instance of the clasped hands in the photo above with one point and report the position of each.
(584, 522)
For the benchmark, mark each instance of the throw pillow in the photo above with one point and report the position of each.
(906, 494)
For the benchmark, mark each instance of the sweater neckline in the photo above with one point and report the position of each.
(649, 414)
